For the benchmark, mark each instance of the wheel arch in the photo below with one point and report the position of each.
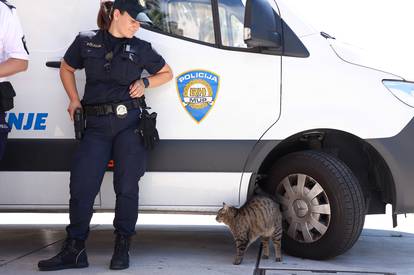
(363, 159)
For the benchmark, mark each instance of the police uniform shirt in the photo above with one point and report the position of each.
(12, 43)
(90, 53)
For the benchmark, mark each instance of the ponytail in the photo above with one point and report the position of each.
(105, 15)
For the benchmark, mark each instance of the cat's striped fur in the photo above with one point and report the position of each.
(259, 217)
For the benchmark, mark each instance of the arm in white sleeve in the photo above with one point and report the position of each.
(13, 52)
(13, 40)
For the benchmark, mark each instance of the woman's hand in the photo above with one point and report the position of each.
(137, 89)
(73, 105)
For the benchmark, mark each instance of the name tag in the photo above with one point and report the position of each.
(93, 45)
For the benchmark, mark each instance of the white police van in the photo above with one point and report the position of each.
(259, 99)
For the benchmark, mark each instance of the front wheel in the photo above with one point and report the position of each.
(321, 201)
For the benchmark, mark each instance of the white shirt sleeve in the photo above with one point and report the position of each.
(14, 45)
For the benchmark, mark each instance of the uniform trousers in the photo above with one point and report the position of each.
(107, 137)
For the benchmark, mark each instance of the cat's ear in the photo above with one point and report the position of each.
(225, 206)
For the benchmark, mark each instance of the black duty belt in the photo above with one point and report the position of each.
(118, 108)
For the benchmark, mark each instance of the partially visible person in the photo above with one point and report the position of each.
(13, 59)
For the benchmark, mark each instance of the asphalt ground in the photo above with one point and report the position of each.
(188, 244)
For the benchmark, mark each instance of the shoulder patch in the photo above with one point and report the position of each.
(10, 6)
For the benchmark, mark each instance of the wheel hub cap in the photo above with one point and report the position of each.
(301, 208)
(305, 206)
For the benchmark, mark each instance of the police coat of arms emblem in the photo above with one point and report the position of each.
(198, 91)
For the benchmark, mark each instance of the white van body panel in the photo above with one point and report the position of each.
(232, 116)
(183, 191)
(158, 191)
(341, 89)
(35, 190)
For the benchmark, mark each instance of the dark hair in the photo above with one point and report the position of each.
(105, 15)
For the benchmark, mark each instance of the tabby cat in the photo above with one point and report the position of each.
(259, 217)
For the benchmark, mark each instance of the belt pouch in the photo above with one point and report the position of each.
(4, 131)
(7, 94)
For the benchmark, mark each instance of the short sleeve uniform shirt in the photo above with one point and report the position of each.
(100, 86)
(12, 43)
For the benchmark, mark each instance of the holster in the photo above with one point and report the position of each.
(4, 131)
(7, 94)
(147, 126)
(79, 123)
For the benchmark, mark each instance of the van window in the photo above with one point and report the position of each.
(191, 19)
(231, 15)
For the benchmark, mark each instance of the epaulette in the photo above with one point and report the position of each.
(10, 6)
(138, 42)
(88, 34)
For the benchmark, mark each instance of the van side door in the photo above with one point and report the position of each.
(223, 98)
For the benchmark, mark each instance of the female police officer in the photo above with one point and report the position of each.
(113, 60)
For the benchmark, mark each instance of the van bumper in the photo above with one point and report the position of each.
(398, 153)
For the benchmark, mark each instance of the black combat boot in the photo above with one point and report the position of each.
(120, 258)
(72, 255)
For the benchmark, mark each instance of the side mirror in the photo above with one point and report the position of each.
(260, 25)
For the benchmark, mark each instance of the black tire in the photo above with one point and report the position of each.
(344, 196)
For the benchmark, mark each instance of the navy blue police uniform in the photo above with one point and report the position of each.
(111, 65)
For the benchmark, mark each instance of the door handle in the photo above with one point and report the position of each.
(53, 64)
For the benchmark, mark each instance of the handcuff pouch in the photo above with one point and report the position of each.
(7, 94)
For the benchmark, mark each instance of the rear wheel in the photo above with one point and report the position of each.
(321, 201)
